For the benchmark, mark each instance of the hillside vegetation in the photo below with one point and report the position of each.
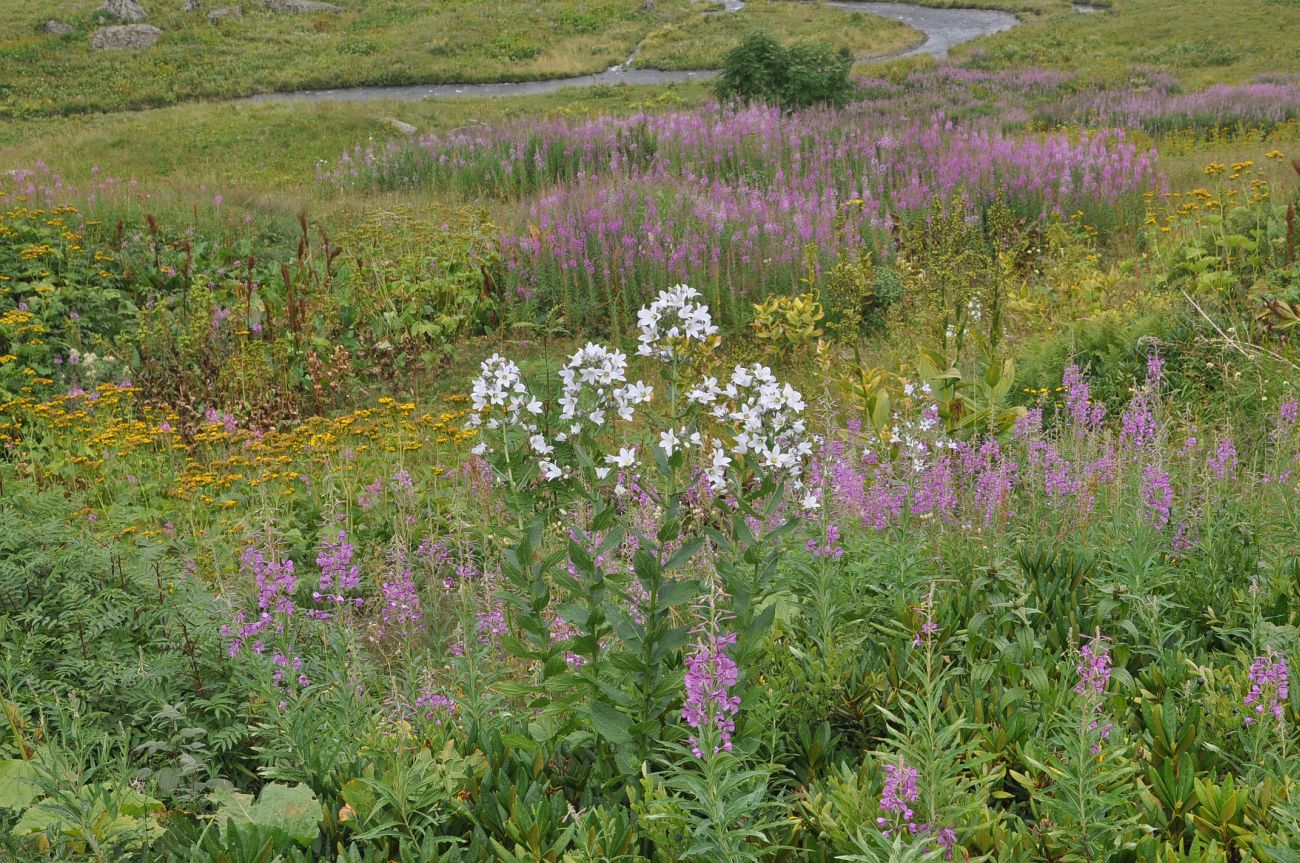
(881, 463)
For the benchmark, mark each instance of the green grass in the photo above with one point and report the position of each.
(372, 42)
(272, 148)
(698, 41)
(1201, 42)
(377, 42)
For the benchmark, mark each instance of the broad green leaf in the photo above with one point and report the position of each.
(292, 809)
(18, 787)
(609, 723)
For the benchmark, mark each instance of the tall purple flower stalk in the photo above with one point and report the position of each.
(896, 800)
(401, 611)
(898, 795)
(710, 707)
(339, 575)
(1157, 495)
(995, 478)
(1138, 423)
(1269, 688)
(1223, 462)
(830, 546)
(276, 583)
(1289, 412)
(1085, 415)
(1094, 671)
(935, 494)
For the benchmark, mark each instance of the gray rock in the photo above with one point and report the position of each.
(404, 128)
(125, 10)
(301, 6)
(193, 5)
(124, 36)
(226, 13)
(57, 28)
(648, 6)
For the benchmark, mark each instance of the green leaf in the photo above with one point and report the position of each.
(38, 819)
(609, 723)
(581, 559)
(17, 784)
(359, 795)
(685, 553)
(292, 809)
(677, 592)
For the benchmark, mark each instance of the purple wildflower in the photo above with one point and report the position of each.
(898, 795)
(1028, 425)
(1138, 423)
(338, 573)
(283, 668)
(370, 494)
(1059, 482)
(710, 674)
(276, 583)
(830, 547)
(947, 838)
(1289, 412)
(1084, 414)
(1223, 463)
(1155, 369)
(1157, 495)
(1094, 667)
(1269, 687)
(935, 494)
(490, 625)
(995, 479)
(435, 706)
(1094, 674)
(401, 609)
(927, 630)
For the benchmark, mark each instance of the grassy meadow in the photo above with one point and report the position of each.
(617, 475)
(384, 42)
(373, 42)
(1201, 43)
(697, 41)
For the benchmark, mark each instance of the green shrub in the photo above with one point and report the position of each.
(761, 69)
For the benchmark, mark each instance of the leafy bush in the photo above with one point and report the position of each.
(760, 69)
(786, 324)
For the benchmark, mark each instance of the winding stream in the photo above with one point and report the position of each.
(943, 28)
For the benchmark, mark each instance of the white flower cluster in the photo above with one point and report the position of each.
(670, 323)
(762, 418)
(920, 436)
(501, 399)
(595, 382)
(766, 416)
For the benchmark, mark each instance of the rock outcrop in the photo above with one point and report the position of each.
(301, 6)
(131, 37)
(125, 10)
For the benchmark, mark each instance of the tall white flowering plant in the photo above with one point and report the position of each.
(629, 494)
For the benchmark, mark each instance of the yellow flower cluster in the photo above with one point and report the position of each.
(19, 321)
(111, 424)
(32, 253)
(317, 442)
(82, 423)
(1240, 183)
